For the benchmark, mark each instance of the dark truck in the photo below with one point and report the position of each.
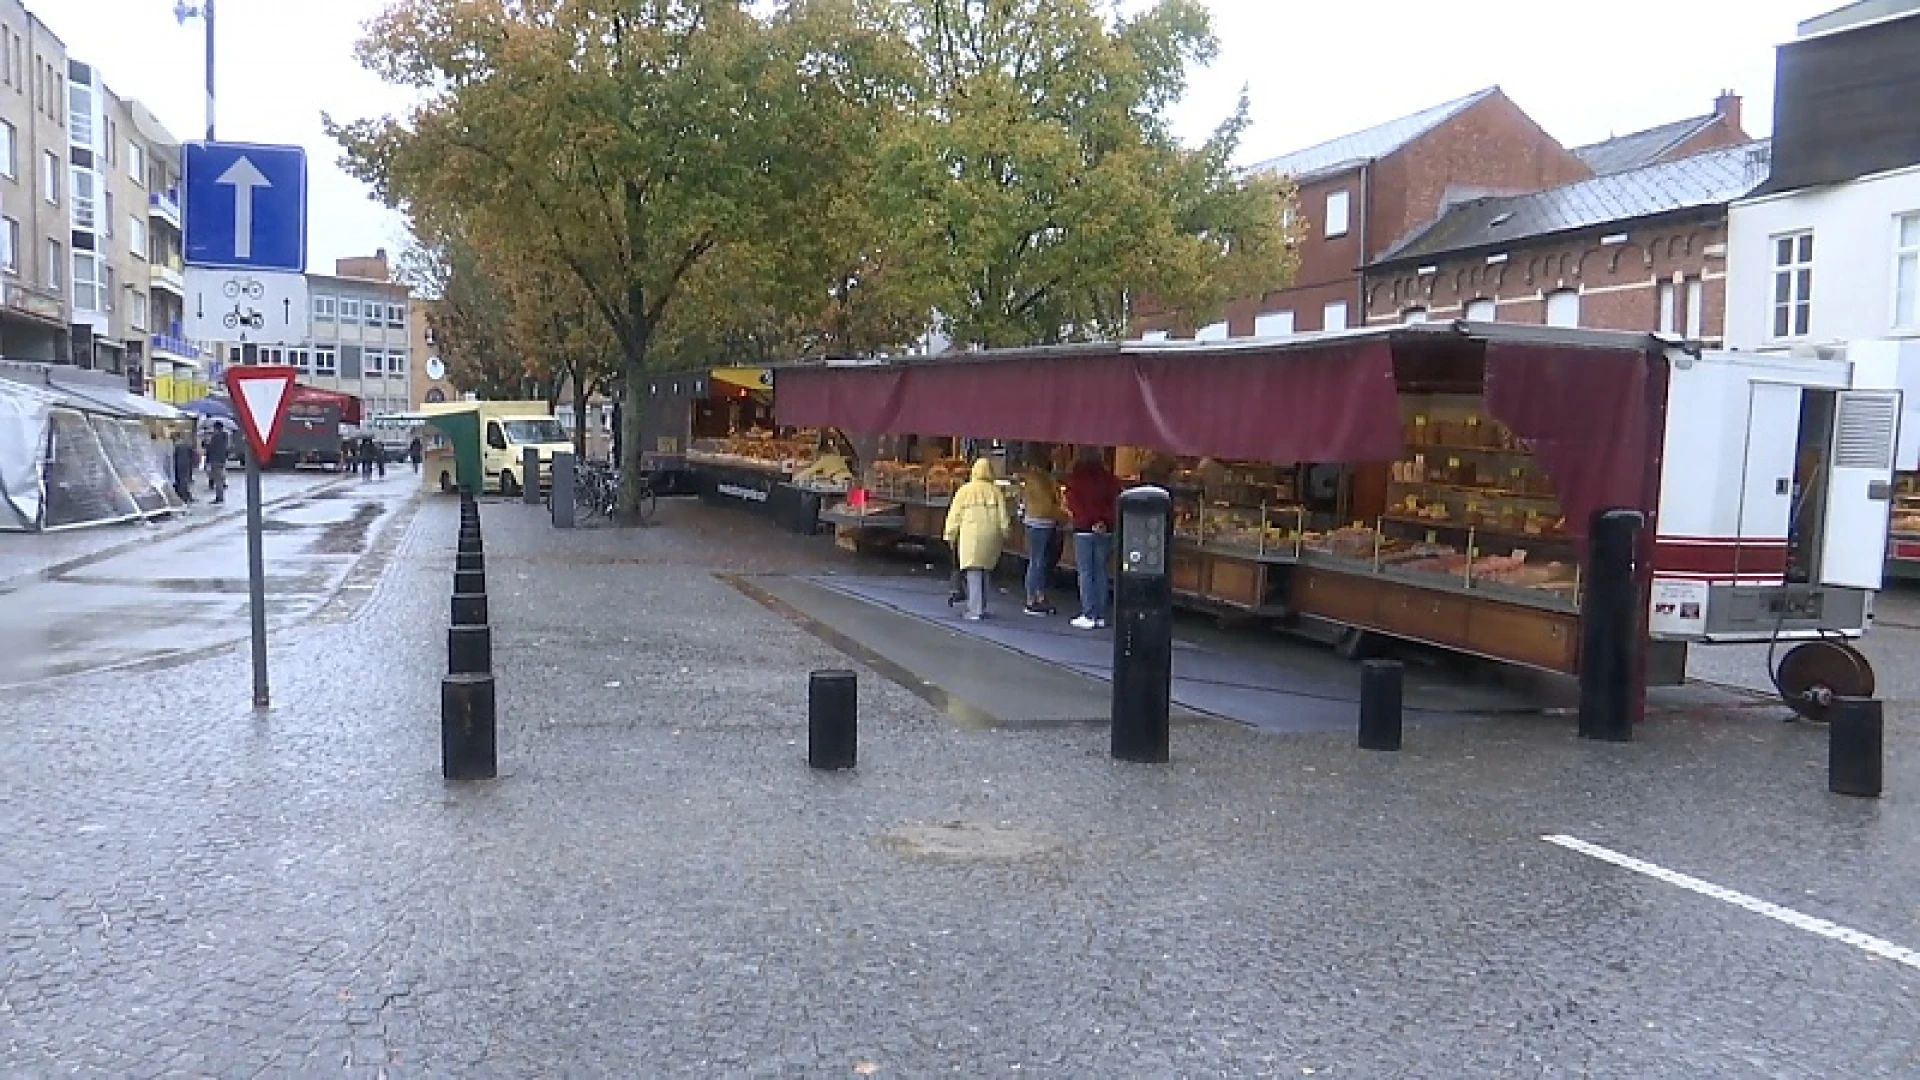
(309, 435)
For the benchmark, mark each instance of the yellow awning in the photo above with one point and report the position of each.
(758, 379)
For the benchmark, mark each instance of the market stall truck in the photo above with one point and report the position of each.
(680, 408)
(507, 430)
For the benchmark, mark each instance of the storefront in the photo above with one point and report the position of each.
(1431, 483)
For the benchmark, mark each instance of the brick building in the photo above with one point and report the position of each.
(1639, 249)
(1363, 194)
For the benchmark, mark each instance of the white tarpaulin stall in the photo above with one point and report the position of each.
(70, 458)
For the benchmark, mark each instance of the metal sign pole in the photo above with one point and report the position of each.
(256, 558)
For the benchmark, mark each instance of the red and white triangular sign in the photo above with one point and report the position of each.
(260, 396)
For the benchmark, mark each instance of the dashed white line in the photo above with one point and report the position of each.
(1797, 919)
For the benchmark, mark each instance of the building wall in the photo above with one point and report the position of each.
(1618, 283)
(33, 316)
(1853, 260)
(425, 354)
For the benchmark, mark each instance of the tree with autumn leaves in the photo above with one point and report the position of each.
(693, 181)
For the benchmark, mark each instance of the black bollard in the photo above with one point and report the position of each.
(1140, 716)
(1380, 697)
(833, 719)
(470, 560)
(471, 545)
(1855, 736)
(469, 609)
(467, 749)
(469, 581)
(469, 650)
(1610, 633)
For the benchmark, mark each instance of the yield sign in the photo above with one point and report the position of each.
(260, 396)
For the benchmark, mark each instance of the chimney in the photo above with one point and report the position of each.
(1727, 106)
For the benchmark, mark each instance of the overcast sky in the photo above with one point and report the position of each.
(1313, 70)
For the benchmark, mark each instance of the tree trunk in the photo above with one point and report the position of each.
(633, 371)
(579, 417)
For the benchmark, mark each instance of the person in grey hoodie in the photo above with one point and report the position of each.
(219, 444)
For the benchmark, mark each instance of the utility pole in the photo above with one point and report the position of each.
(182, 11)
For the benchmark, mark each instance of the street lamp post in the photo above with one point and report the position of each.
(182, 11)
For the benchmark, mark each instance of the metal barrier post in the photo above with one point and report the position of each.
(833, 719)
(563, 489)
(1610, 630)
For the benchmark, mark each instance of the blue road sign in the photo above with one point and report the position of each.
(246, 206)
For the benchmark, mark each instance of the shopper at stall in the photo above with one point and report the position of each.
(977, 523)
(1093, 495)
(1044, 514)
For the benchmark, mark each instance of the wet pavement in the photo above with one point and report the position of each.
(657, 885)
(182, 590)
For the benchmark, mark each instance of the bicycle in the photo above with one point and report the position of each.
(597, 492)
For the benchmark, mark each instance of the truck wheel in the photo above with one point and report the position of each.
(509, 487)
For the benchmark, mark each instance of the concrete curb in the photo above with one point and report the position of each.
(47, 573)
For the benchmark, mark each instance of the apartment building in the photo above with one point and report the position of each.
(109, 153)
(360, 341)
(176, 366)
(34, 306)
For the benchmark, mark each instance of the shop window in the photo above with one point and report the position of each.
(1334, 316)
(1273, 324)
(1563, 308)
(1482, 310)
(1336, 214)
(1792, 285)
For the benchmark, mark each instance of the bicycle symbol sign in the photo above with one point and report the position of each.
(253, 306)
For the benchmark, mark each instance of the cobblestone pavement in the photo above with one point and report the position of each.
(657, 886)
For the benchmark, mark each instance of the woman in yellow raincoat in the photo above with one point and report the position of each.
(977, 524)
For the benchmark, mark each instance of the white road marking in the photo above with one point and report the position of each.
(1798, 920)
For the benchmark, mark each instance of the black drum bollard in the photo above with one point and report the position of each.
(833, 719)
(1855, 743)
(469, 581)
(467, 750)
(469, 609)
(470, 560)
(1380, 700)
(469, 650)
(471, 543)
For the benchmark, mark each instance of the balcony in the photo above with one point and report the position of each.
(168, 276)
(164, 205)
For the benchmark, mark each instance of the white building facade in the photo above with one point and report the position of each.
(1826, 265)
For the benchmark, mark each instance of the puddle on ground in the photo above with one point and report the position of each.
(970, 841)
(347, 537)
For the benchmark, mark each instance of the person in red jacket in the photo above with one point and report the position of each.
(1093, 496)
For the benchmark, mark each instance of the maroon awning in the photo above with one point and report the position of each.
(1331, 404)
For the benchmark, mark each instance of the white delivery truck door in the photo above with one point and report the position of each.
(1766, 478)
(1866, 428)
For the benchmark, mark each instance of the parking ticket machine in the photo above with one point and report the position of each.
(1143, 626)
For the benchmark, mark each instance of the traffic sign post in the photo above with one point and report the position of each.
(260, 396)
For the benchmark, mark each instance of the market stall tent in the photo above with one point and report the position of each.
(69, 460)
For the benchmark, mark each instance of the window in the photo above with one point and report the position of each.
(137, 236)
(9, 245)
(1336, 214)
(372, 309)
(50, 177)
(1273, 324)
(137, 315)
(83, 199)
(55, 257)
(106, 285)
(1563, 308)
(1792, 284)
(1696, 308)
(323, 307)
(87, 282)
(372, 366)
(1664, 296)
(397, 316)
(1211, 332)
(350, 309)
(1481, 310)
(106, 220)
(1413, 315)
(302, 361)
(80, 115)
(397, 364)
(1150, 335)
(1906, 271)
(137, 162)
(1334, 316)
(325, 362)
(9, 162)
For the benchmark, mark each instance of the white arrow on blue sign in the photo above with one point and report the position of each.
(246, 206)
